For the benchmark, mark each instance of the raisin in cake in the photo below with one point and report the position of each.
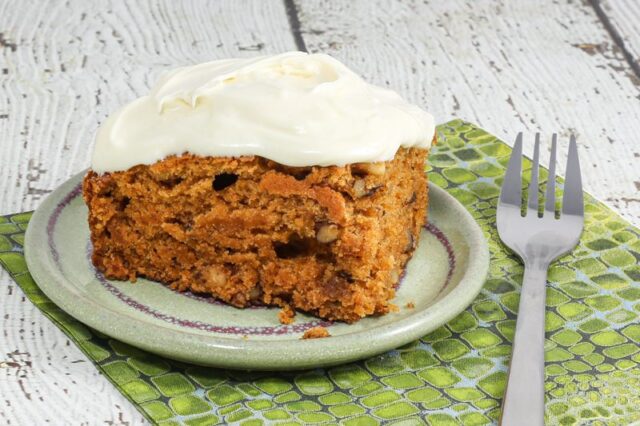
(284, 180)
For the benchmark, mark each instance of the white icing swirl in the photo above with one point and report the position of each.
(295, 108)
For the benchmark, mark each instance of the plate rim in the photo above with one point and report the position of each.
(218, 351)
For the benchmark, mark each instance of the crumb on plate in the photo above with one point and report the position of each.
(286, 315)
(316, 333)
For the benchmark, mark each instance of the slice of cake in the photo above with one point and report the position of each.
(283, 180)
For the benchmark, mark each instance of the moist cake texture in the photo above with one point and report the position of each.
(332, 241)
(284, 180)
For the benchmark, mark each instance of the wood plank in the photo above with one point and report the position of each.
(621, 18)
(64, 66)
(508, 67)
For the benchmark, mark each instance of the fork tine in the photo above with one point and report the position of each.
(511, 192)
(533, 184)
(550, 198)
(572, 199)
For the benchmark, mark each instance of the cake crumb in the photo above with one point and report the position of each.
(316, 333)
(393, 308)
(286, 315)
(410, 305)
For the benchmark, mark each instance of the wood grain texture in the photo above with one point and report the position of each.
(624, 16)
(64, 66)
(508, 66)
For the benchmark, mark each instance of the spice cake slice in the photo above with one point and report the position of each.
(316, 207)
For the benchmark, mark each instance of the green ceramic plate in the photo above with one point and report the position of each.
(443, 277)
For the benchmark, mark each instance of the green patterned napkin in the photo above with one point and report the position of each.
(454, 375)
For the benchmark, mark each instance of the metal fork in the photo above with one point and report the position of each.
(538, 240)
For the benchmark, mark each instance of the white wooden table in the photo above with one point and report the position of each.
(509, 66)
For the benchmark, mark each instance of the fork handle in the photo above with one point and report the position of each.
(523, 403)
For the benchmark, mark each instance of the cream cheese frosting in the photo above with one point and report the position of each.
(294, 108)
